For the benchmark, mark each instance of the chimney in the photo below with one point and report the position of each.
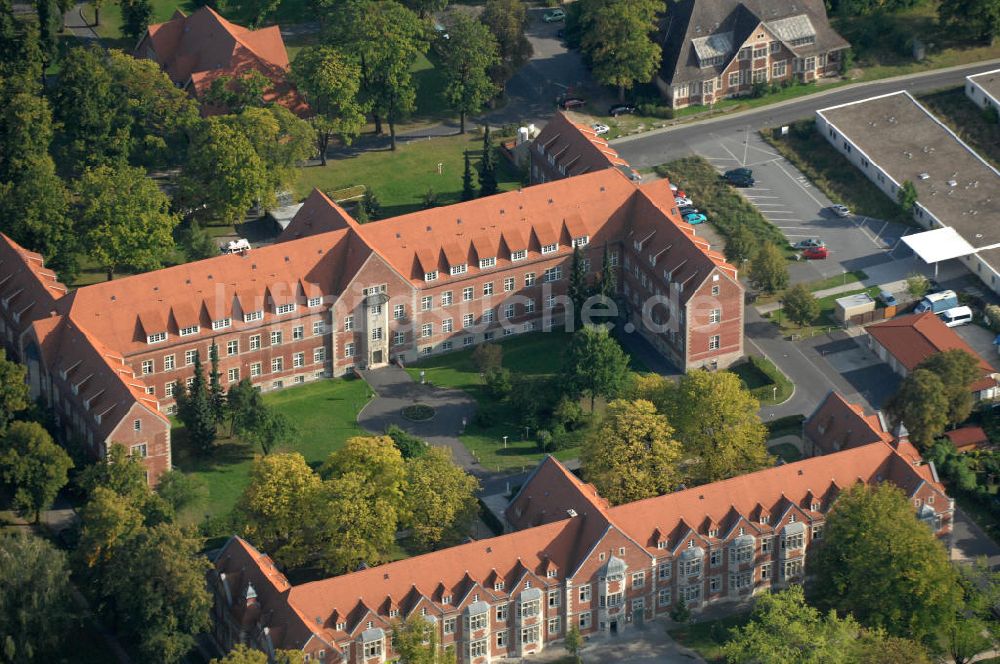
(571, 513)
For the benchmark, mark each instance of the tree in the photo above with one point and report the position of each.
(84, 104)
(468, 189)
(194, 409)
(488, 357)
(607, 284)
(917, 285)
(907, 198)
(97, 5)
(34, 599)
(354, 524)
(371, 203)
(106, 522)
(741, 245)
(882, 564)
(269, 429)
(121, 473)
(242, 654)
(180, 489)
(243, 401)
(235, 94)
(716, 420)
(467, 58)
(386, 39)
(633, 455)
(426, 7)
(216, 393)
(578, 288)
(13, 389)
(799, 305)
(33, 466)
(223, 172)
(163, 609)
(617, 39)
(49, 23)
(25, 132)
(330, 82)
(680, 613)
(768, 271)
(921, 404)
(974, 19)
(574, 642)
(21, 56)
(488, 166)
(507, 20)
(136, 15)
(124, 218)
(957, 369)
(965, 638)
(415, 641)
(274, 504)
(440, 498)
(280, 139)
(595, 364)
(375, 459)
(408, 445)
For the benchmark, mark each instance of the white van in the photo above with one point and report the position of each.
(956, 316)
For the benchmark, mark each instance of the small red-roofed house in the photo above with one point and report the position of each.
(837, 425)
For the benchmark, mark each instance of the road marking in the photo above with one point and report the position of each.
(746, 144)
(723, 146)
(801, 221)
(722, 158)
(779, 211)
(796, 181)
(754, 196)
(881, 230)
(768, 204)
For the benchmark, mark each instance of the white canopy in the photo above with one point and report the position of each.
(938, 245)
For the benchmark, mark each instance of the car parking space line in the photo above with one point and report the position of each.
(773, 221)
(756, 196)
(723, 146)
(746, 143)
(796, 181)
(881, 230)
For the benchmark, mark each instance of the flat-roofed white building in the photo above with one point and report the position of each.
(984, 89)
(893, 139)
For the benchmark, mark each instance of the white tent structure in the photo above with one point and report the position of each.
(938, 245)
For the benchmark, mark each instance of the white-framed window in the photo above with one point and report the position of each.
(468, 293)
(431, 276)
(373, 648)
(318, 328)
(188, 382)
(767, 544)
(501, 612)
(168, 388)
(518, 255)
(488, 289)
(376, 334)
(314, 301)
(222, 323)
(817, 531)
(426, 350)
(255, 342)
(553, 273)
(713, 342)
(275, 337)
(447, 325)
(715, 557)
(319, 355)
(467, 341)
(349, 350)
(664, 569)
(584, 593)
(147, 366)
(529, 608)
(529, 306)
(233, 375)
(529, 279)
(508, 311)
(760, 51)
(554, 595)
(487, 262)
(715, 290)
(530, 634)
(256, 370)
(427, 329)
(584, 620)
(283, 309)
(555, 624)
(459, 269)
(478, 648)
(399, 311)
(691, 567)
(251, 316)
(233, 347)
(498, 585)
(691, 593)
(714, 584)
(779, 68)
(734, 79)
(348, 323)
(478, 621)
(168, 363)
(581, 241)
(298, 360)
(792, 569)
(189, 330)
(715, 315)
(764, 572)
(508, 284)
(550, 248)
(488, 316)
(467, 321)
(502, 639)
(277, 364)
(795, 541)
(446, 345)
(138, 450)
(663, 597)
(446, 299)
(426, 302)
(740, 580)
(398, 338)
(449, 625)
(638, 579)
(156, 337)
(189, 356)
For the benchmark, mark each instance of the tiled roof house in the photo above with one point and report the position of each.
(715, 49)
(837, 425)
(565, 148)
(333, 294)
(575, 561)
(195, 50)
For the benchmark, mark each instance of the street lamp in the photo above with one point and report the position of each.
(774, 393)
(505, 442)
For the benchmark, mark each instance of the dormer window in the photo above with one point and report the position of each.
(791, 518)
(188, 331)
(764, 520)
(459, 269)
(581, 241)
(446, 599)
(498, 585)
(518, 255)
(284, 308)
(431, 276)
(314, 301)
(251, 316)
(393, 613)
(551, 573)
(662, 544)
(341, 626)
(714, 532)
(550, 248)
(815, 507)
(487, 262)
(222, 323)
(156, 337)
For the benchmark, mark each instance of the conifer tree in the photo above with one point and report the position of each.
(578, 284)
(468, 189)
(194, 409)
(216, 393)
(487, 167)
(607, 285)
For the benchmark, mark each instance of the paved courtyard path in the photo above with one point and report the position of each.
(395, 390)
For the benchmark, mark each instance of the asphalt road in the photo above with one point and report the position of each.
(658, 146)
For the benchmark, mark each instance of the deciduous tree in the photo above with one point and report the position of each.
(280, 139)
(415, 641)
(799, 305)
(353, 523)
(180, 489)
(33, 466)
(768, 270)
(595, 364)
(136, 15)
(921, 404)
(468, 56)
(716, 420)
(25, 133)
(243, 401)
(975, 19)
(330, 83)
(886, 567)
(741, 246)
(633, 455)
(235, 94)
(376, 459)
(957, 369)
(617, 39)
(507, 20)
(440, 498)
(49, 23)
(13, 389)
(409, 446)
(907, 198)
(124, 218)
(423, 8)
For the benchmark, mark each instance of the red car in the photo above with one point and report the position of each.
(814, 253)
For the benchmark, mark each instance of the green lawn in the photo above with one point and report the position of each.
(764, 380)
(786, 451)
(707, 638)
(325, 416)
(111, 20)
(401, 178)
(832, 173)
(967, 120)
(851, 277)
(824, 321)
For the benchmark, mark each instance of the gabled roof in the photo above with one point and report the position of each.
(837, 424)
(199, 48)
(912, 339)
(577, 147)
(718, 28)
(549, 494)
(27, 288)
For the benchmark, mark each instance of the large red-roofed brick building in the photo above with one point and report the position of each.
(332, 295)
(572, 560)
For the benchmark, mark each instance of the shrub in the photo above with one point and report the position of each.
(568, 413)
(918, 285)
(498, 382)
(486, 417)
(487, 357)
(654, 110)
(544, 439)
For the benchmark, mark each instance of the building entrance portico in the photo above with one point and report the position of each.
(377, 315)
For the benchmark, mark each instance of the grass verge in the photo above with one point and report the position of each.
(786, 451)
(325, 416)
(832, 173)
(824, 321)
(764, 380)
(707, 638)
(851, 277)
(789, 425)
(967, 120)
(400, 179)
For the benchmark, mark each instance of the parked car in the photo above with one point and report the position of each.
(622, 109)
(887, 298)
(938, 302)
(739, 177)
(956, 316)
(687, 209)
(600, 128)
(554, 16)
(441, 31)
(811, 242)
(814, 253)
(738, 172)
(695, 218)
(682, 201)
(840, 210)
(567, 103)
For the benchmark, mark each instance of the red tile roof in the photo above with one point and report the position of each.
(577, 147)
(837, 424)
(967, 438)
(548, 495)
(912, 339)
(199, 48)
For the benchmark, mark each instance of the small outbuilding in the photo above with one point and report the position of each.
(853, 305)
